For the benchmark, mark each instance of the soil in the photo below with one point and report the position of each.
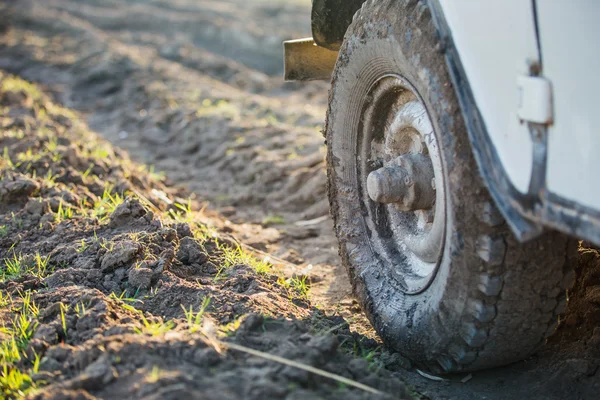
(106, 283)
(191, 91)
(192, 88)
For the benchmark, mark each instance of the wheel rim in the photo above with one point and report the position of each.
(401, 182)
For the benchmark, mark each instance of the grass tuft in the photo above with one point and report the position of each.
(103, 207)
(298, 286)
(63, 320)
(155, 374)
(194, 320)
(183, 214)
(63, 213)
(19, 265)
(154, 328)
(236, 256)
(15, 383)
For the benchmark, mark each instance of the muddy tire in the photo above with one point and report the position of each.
(471, 297)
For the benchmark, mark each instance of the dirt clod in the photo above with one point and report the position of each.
(140, 277)
(122, 254)
(190, 252)
(127, 212)
(19, 187)
(95, 375)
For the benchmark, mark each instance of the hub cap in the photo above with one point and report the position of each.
(402, 190)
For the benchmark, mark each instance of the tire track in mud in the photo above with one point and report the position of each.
(237, 137)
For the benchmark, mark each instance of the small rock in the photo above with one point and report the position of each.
(50, 364)
(63, 253)
(121, 254)
(69, 197)
(140, 277)
(111, 286)
(296, 375)
(88, 322)
(228, 211)
(9, 97)
(37, 346)
(55, 203)
(50, 311)
(88, 263)
(264, 387)
(157, 268)
(116, 330)
(292, 256)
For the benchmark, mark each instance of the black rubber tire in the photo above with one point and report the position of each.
(493, 300)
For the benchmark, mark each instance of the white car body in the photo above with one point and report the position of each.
(499, 44)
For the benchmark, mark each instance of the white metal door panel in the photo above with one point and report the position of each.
(495, 41)
(570, 42)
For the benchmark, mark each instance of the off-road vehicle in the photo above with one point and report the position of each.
(462, 165)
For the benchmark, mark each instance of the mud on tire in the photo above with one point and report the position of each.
(492, 300)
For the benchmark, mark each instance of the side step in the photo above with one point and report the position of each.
(305, 61)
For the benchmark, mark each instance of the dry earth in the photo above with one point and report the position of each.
(110, 288)
(192, 90)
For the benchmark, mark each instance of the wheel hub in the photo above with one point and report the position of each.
(407, 181)
(402, 190)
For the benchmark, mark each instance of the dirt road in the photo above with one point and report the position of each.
(193, 90)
